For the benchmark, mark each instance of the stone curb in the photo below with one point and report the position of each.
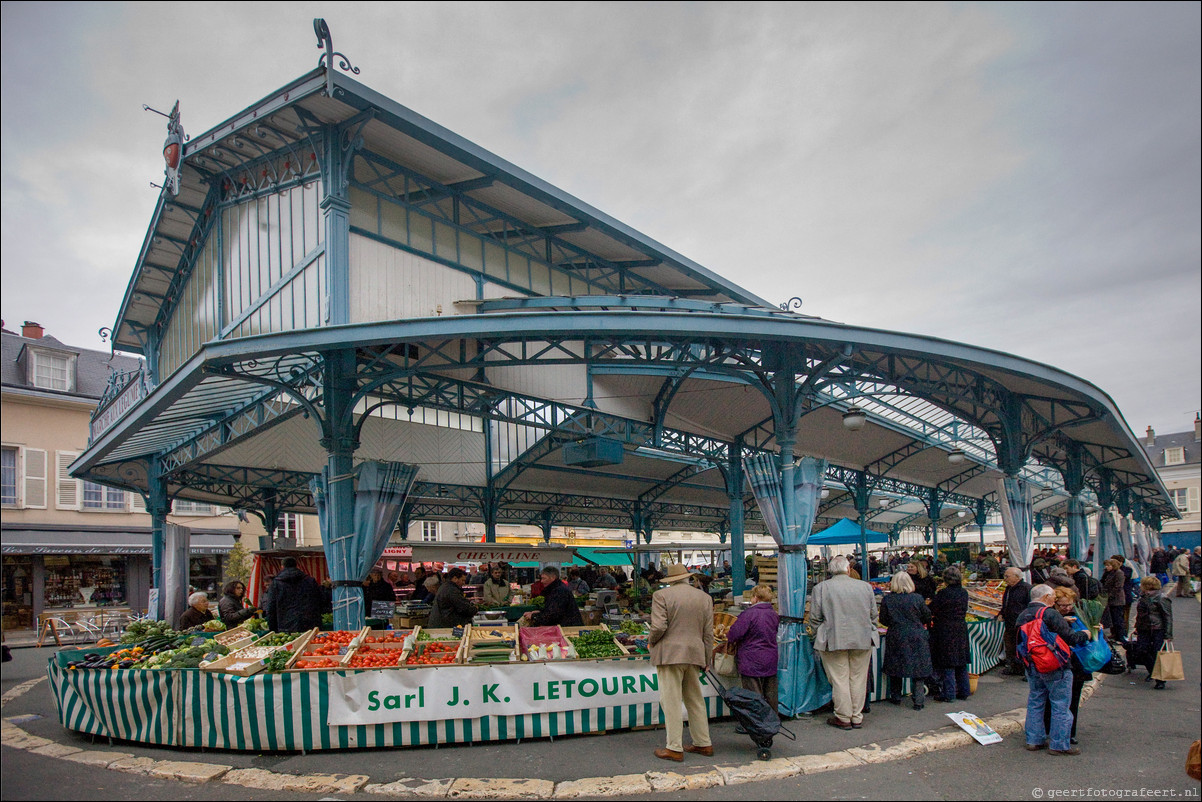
(947, 737)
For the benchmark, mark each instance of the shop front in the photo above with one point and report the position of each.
(73, 573)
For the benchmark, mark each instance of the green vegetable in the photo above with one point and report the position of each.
(278, 660)
(596, 643)
(142, 630)
(277, 638)
(1089, 612)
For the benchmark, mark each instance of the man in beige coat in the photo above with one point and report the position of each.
(682, 643)
(843, 615)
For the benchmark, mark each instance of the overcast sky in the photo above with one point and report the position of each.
(1021, 177)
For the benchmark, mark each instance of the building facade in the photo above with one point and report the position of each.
(1178, 460)
(71, 546)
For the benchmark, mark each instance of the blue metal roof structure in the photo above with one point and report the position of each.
(454, 311)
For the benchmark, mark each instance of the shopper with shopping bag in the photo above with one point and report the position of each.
(1168, 666)
(1153, 629)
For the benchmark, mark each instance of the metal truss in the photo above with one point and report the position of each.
(261, 161)
(204, 219)
(248, 488)
(452, 205)
(433, 375)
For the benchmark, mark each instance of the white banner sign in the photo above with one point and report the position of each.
(448, 692)
(482, 553)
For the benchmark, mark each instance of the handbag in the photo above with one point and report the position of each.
(724, 664)
(1116, 665)
(1168, 664)
(1193, 760)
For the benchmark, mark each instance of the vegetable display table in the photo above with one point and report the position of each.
(302, 710)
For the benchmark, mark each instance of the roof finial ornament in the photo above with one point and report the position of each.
(791, 305)
(326, 60)
(173, 148)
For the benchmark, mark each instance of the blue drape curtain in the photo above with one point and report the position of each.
(1018, 523)
(803, 686)
(1078, 532)
(380, 492)
(1109, 542)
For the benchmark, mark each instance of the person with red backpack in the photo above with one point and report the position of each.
(1045, 640)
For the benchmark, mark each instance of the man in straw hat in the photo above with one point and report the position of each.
(682, 643)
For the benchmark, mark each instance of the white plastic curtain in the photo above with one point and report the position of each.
(803, 687)
(1017, 522)
(1143, 547)
(1078, 532)
(380, 492)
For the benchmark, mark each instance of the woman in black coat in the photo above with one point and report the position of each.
(924, 583)
(232, 606)
(949, 637)
(907, 646)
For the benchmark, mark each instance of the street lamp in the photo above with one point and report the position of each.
(854, 419)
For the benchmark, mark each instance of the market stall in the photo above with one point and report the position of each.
(310, 709)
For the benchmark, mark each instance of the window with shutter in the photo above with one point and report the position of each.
(137, 503)
(35, 478)
(1194, 503)
(9, 496)
(67, 489)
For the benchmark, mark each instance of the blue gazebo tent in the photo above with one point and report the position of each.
(846, 532)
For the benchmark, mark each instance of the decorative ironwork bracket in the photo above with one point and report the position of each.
(324, 40)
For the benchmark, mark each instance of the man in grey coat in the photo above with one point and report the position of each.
(682, 643)
(843, 615)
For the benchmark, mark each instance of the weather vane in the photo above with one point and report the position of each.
(324, 40)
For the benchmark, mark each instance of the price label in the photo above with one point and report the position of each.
(342, 650)
(199, 641)
(211, 656)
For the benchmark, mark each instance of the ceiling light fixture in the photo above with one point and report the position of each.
(955, 456)
(854, 419)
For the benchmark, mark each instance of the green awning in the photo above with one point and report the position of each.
(593, 554)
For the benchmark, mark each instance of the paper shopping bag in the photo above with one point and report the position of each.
(1168, 664)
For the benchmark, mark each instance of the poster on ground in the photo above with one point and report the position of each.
(974, 726)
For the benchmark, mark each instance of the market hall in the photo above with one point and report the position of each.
(346, 309)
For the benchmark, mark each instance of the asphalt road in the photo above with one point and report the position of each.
(1132, 738)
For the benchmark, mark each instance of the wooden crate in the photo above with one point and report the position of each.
(239, 666)
(524, 643)
(490, 637)
(571, 632)
(767, 567)
(236, 638)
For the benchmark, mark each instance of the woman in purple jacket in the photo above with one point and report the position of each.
(754, 634)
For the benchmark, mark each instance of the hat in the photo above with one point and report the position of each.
(676, 573)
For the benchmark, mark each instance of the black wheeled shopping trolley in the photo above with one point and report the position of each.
(752, 712)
